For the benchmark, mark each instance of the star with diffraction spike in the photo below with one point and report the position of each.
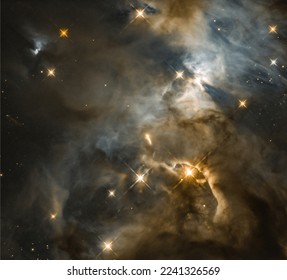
(63, 33)
(242, 104)
(273, 29)
(51, 72)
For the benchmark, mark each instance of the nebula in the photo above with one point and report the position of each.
(144, 130)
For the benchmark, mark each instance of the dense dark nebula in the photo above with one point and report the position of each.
(144, 130)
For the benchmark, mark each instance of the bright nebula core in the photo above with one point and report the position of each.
(144, 130)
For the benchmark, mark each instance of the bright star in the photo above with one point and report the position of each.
(188, 172)
(63, 33)
(273, 29)
(242, 104)
(51, 72)
(273, 62)
(179, 74)
(140, 178)
(112, 193)
(53, 216)
(140, 13)
(107, 246)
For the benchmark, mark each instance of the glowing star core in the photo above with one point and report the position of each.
(63, 33)
(273, 62)
(179, 75)
(188, 172)
(139, 13)
(273, 29)
(107, 246)
(53, 216)
(242, 103)
(112, 193)
(140, 178)
(51, 72)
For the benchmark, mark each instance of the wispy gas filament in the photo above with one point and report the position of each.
(148, 139)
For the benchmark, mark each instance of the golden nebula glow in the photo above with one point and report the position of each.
(273, 29)
(139, 13)
(242, 103)
(51, 72)
(179, 75)
(273, 62)
(63, 33)
(188, 172)
(192, 172)
(148, 139)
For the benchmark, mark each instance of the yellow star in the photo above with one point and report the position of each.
(63, 33)
(140, 178)
(107, 246)
(140, 13)
(242, 103)
(188, 172)
(273, 29)
(53, 216)
(51, 72)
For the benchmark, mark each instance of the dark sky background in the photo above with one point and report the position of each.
(161, 135)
